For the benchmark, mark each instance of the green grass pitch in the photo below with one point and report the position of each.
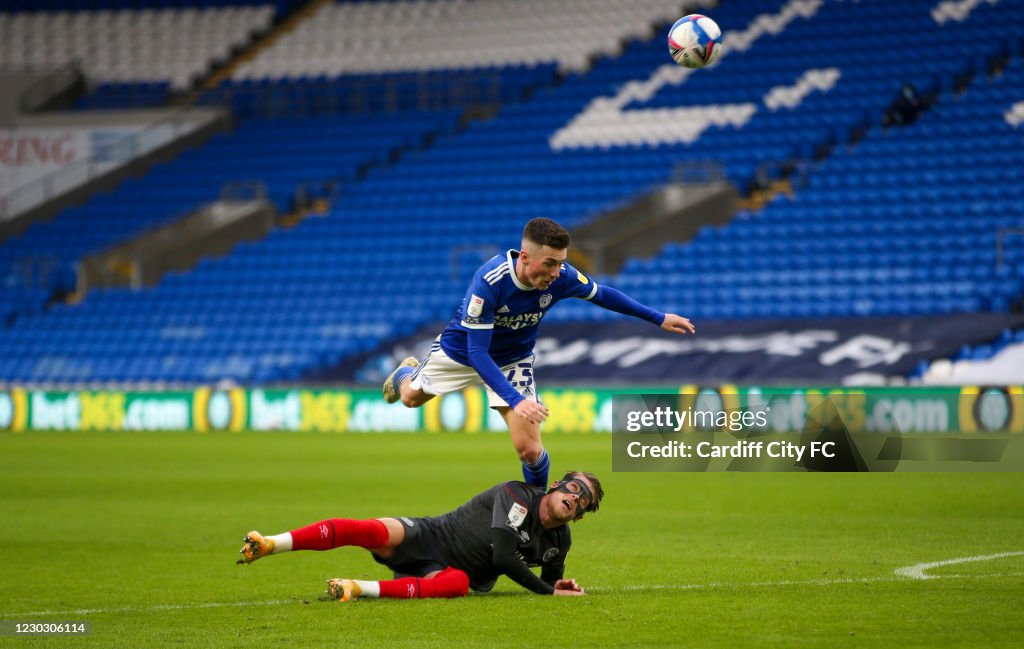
(138, 533)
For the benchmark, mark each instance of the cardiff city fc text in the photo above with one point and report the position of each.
(739, 449)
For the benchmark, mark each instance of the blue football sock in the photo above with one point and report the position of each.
(400, 375)
(537, 473)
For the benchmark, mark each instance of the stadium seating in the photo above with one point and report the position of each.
(150, 42)
(47, 6)
(867, 234)
(280, 154)
(371, 56)
(870, 234)
(380, 92)
(140, 94)
(362, 37)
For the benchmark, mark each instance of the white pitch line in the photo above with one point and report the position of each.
(632, 587)
(146, 609)
(795, 582)
(917, 570)
(756, 584)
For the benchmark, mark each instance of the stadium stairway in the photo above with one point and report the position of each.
(286, 24)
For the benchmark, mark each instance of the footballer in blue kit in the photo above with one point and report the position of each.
(491, 337)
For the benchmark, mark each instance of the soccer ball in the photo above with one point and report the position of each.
(695, 41)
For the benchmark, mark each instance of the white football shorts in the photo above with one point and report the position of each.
(439, 374)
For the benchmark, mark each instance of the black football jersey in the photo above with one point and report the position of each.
(465, 533)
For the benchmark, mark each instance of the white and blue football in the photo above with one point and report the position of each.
(695, 41)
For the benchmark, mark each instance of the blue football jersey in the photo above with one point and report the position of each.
(497, 300)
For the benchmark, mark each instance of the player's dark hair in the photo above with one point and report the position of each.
(545, 232)
(598, 489)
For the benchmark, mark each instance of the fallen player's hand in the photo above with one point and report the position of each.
(677, 324)
(531, 411)
(568, 587)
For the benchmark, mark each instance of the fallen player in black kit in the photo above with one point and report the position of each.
(505, 530)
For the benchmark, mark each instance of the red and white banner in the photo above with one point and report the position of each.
(37, 164)
(27, 155)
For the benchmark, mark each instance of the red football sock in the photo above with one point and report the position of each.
(450, 582)
(336, 532)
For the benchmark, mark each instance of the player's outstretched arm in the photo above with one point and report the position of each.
(615, 300)
(508, 562)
